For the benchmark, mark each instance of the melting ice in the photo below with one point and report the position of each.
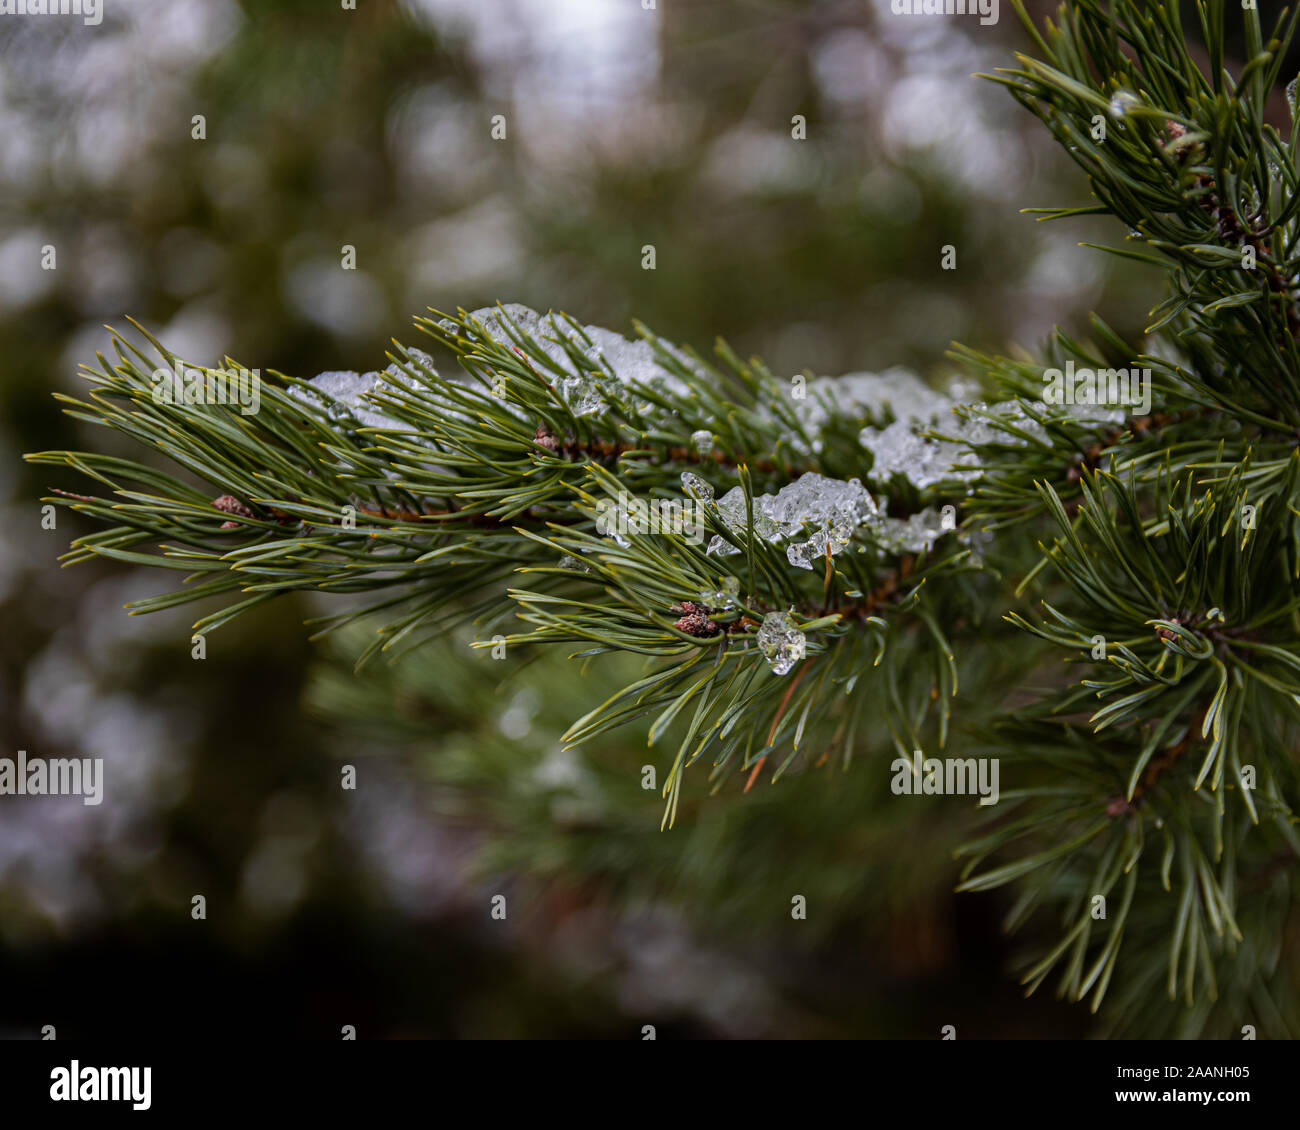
(898, 449)
(781, 642)
(829, 508)
(617, 364)
(342, 392)
(693, 484)
(723, 599)
(915, 534)
(924, 461)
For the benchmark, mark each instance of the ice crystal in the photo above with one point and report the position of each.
(693, 484)
(925, 461)
(857, 396)
(781, 642)
(831, 538)
(915, 534)
(829, 507)
(611, 365)
(341, 393)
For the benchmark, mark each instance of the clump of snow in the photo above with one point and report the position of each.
(1096, 413)
(812, 502)
(925, 460)
(899, 448)
(612, 365)
(857, 396)
(915, 534)
(416, 359)
(341, 393)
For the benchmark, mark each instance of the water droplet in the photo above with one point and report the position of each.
(703, 442)
(723, 599)
(582, 394)
(1122, 102)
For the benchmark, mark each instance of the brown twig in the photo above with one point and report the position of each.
(1155, 767)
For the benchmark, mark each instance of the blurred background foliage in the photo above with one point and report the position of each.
(326, 127)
